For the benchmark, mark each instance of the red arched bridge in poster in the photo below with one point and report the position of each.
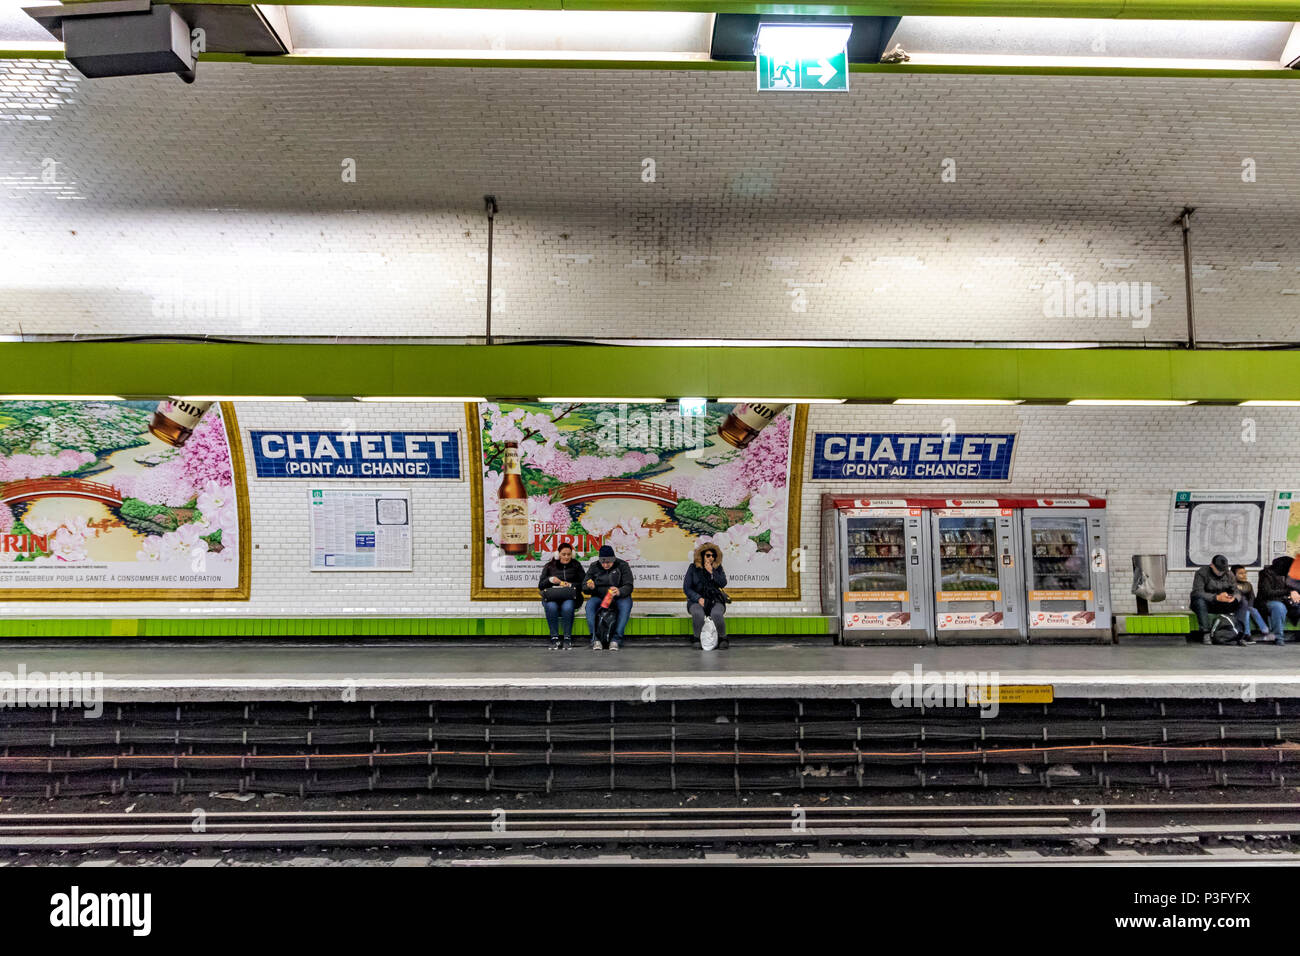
(615, 488)
(27, 488)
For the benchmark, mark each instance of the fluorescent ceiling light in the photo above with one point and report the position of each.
(242, 398)
(1270, 403)
(802, 41)
(1092, 42)
(608, 401)
(62, 398)
(1131, 401)
(497, 31)
(418, 398)
(784, 401)
(958, 401)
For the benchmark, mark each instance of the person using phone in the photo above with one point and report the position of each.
(561, 595)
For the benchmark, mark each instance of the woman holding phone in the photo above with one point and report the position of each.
(561, 595)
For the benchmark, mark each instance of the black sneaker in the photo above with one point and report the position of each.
(555, 644)
(567, 645)
(1245, 641)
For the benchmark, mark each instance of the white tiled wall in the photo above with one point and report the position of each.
(1134, 457)
(789, 216)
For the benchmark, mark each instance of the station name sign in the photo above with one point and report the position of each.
(909, 456)
(354, 454)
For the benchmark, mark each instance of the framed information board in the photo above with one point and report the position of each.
(360, 529)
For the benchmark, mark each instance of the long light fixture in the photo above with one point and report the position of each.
(958, 401)
(785, 401)
(242, 398)
(62, 398)
(419, 398)
(608, 401)
(1131, 401)
(802, 41)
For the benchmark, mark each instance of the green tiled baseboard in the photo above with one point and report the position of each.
(1179, 622)
(385, 627)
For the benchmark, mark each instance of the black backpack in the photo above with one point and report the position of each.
(1224, 630)
(607, 624)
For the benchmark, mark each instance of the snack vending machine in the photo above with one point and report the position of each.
(978, 587)
(877, 585)
(1067, 568)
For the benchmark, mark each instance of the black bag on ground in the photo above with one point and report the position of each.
(1223, 630)
(606, 624)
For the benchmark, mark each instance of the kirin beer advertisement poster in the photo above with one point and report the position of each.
(648, 479)
(95, 503)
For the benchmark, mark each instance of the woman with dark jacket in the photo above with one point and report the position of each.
(703, 585)
(1278, 595)
(560, 586)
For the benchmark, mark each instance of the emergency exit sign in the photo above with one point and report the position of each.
(806, 74)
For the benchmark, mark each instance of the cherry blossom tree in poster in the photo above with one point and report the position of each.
(648, 480)
(92, 500)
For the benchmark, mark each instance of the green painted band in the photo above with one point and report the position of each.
(341, 371)
(383, 626)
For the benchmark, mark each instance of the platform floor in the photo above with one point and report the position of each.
(230, 671)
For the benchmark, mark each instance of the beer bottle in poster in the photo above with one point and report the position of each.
(512, 505)
(175, 419)
(746, 421)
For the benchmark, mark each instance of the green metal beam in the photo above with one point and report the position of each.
(134, 369)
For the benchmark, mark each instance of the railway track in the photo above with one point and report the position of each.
(1104, 827)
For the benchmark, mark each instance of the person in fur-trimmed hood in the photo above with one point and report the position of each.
(703, 585)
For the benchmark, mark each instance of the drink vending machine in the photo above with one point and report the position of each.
(965, 570)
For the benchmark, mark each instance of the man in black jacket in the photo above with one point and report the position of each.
(1214, 592)
(608, 574)
(1278, 596)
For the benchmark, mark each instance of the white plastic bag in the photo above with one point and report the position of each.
(709, 635)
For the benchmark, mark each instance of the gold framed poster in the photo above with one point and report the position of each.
(651, 480)
(96, 505)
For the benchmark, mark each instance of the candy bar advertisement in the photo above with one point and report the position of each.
(121, 500)
(651, 480)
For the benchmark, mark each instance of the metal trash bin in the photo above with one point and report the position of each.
(1149, 572)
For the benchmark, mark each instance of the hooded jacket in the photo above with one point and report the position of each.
(695, 581)
(618, 576)
(1209, 583)
(1274, 585)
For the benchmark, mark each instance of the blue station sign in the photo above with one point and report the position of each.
(355, 454)
(911, 456)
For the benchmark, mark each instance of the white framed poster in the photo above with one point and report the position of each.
(1235, 524)
(360, 529)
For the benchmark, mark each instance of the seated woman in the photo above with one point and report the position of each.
(561, 595)
(703, 585)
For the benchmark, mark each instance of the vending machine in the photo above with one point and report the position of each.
(978, 585)
(1065, 557)
(877, 584)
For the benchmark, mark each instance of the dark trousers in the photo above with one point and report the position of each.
(1205, 610)
(717, 614)
(560, 614)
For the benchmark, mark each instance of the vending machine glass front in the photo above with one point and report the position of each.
(879, 604)
(877, 555)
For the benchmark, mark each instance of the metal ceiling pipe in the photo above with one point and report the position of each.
(1185, 220)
